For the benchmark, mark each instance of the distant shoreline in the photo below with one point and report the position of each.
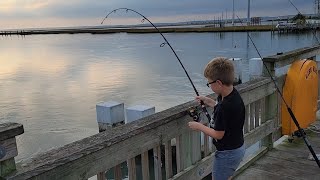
(142, 30)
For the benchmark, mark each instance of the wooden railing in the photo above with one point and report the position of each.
(190, 160)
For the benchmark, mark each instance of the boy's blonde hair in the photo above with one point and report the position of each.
(220, 68)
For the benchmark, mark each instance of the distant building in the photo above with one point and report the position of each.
(256, 20)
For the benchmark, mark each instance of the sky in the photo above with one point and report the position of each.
(66, 13)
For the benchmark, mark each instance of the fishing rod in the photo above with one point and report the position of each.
(301, 14)
(192, 112)
(300, 131)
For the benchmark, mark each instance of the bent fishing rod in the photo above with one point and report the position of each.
(293, 117)
(193, 114)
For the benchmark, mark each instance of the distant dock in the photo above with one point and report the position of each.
(181, 29)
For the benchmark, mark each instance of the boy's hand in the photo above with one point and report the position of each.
(208, 101)
(195, 125)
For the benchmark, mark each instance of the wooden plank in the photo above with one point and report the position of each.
(293, 156)
(10, 130)
(280, 82)
(263, 110)
(253, 173)
(117, 172)
(247, 119)
(178, 153)
(186, 155)
(257, 110)
(195, 147)
(206, 145)
(252, 115)
(285, 168)
(277, 133)
(101, 176)
(132, 168)
(271, 113)
(10, 147)
(168, 159)
(145, 166)
(157, 163)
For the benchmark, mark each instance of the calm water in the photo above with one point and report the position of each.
(51, 83)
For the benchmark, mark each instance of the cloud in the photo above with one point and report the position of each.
(164, 10)
(9, 6)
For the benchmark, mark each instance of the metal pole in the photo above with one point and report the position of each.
(248, 18)
(232, 12)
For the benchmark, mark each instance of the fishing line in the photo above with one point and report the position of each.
(204, 109)
(300, 130)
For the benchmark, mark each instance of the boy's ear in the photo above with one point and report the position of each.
(219, 82)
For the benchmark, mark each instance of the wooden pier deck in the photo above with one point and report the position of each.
(287, 161)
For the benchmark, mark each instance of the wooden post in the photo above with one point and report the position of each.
(8, 147)
(195, 146)
(271, 109)
(145, 166)
(157, 163)
(110, 114)
(206, 149)
(252, 116)
(246, 122)
(179, 153)
(186, 155)
(271, 68)
(270, 105)
(257, 113)
(134, 113)
(168, 159)
(206, 143)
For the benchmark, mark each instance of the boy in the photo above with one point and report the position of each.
(228, 118)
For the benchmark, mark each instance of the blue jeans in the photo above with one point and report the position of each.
(226, 162)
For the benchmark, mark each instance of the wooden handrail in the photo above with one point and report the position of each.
(83, 159)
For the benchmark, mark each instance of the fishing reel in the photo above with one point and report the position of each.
(297, 134)
(194, 112)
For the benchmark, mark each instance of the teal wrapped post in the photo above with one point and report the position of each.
(110, 114)
(134, 113)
